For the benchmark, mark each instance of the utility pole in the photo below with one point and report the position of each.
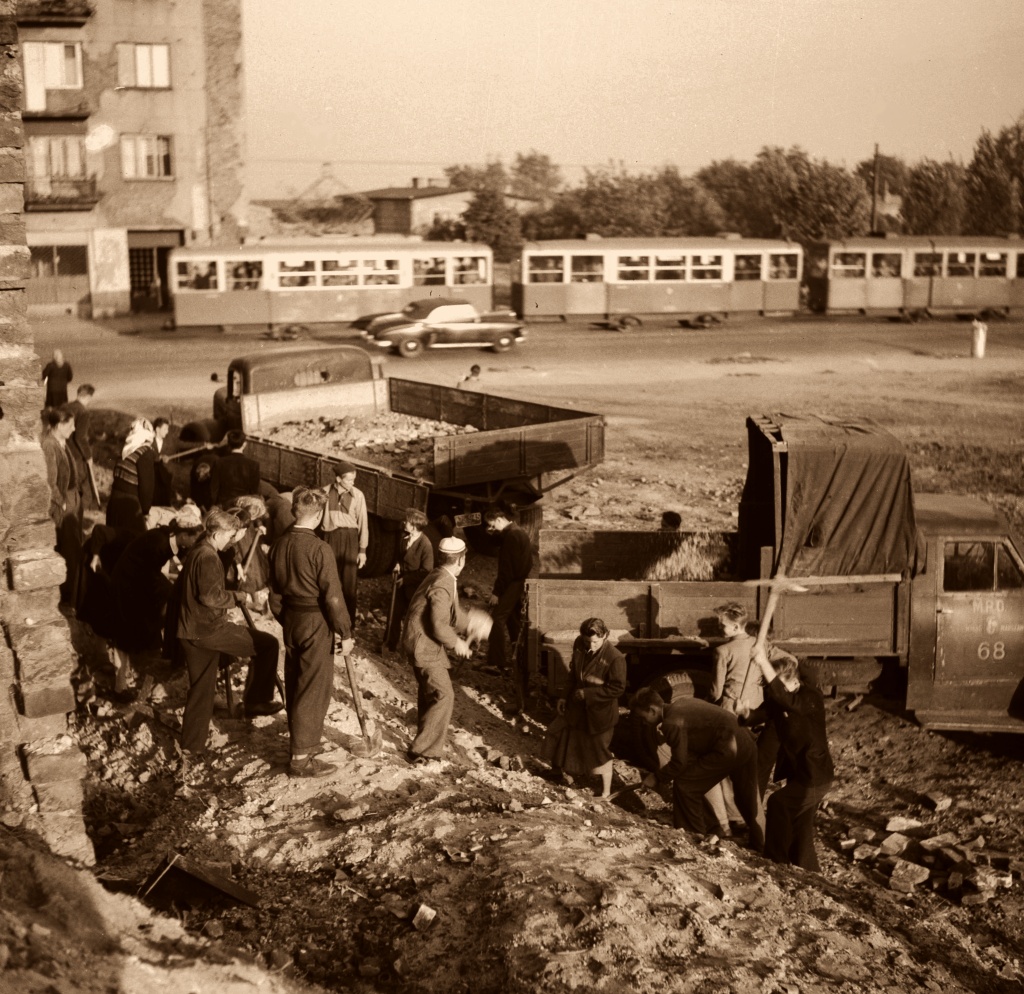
(874, 193)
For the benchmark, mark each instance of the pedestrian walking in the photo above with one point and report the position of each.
(306, 597)
(65, 501)
(56, 376)
(433, 628)
(131, 493)
(346, 529)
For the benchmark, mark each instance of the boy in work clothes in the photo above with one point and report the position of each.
(515, 560)
(432, 629)
(306, 598)
(346, 530)
(412, 569)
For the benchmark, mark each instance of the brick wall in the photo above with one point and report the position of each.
(40, 766)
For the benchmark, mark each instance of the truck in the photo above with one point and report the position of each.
(871, 580)
(514, 450)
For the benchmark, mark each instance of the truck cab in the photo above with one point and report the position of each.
(966, 659)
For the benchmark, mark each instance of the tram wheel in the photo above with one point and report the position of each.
(628, 322)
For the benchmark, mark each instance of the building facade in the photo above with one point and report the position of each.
(133, 114)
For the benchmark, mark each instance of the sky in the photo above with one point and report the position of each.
(349, 95)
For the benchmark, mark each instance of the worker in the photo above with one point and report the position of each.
(204, 632)
(515, 560)
(235, 474)
(306, 597)
(80, 445)
(65, 496)
(163, 490)
(797, 712)
(131, 493)
(432, 628)
(707, 744)
(410, 571)
(346, 530)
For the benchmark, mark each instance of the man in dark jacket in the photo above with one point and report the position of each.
(417, 560)
(306, 597)
(707, 745)
(234, 475)
(204, 633)
(515, 560)
(432, 629)
(80, 446)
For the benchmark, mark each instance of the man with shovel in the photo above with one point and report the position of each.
(306, 597)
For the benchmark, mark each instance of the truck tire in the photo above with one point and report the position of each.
(839, 675)
(382, 551)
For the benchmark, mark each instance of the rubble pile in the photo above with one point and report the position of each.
(398, 442)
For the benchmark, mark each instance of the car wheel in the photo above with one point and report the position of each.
(410, 347)
(503, 343)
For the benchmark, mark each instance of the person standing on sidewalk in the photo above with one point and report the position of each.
(56, 376)
(306, 597)
(346, 530)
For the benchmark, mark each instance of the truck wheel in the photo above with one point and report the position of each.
(410, 347)
(503, 343)
(382, 551)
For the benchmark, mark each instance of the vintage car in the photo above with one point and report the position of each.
(441, 323)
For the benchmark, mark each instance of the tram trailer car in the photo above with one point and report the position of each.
(296, 283)
(627, 282)
(930, 587)
(916, 276)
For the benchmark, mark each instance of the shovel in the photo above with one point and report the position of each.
(395, 580)
(372, 736)
(627, 799)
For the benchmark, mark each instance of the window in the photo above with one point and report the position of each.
(1008, 575)
(783, 266)
(339, 272)
(968, 566)
(59, 260)
(927, 263)
(849, 265)
(705, 267)
(747, 267)
(634, 267)
(50, 65)
(960, 264)
(380, 272)
(144, 66)
(886, 265)
(146, 157)
(469, 269)
(992, 264)
(587, 269)
(245, 275)
(198, 275)
(670, 267)
(305, 273)
(1020, 265)
(546, 268)
(428, 271)
(56, 156)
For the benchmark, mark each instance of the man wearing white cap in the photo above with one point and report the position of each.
(432, 628)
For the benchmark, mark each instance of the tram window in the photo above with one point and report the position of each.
(960, 264)
(747, 267)
(587, 269)
(633, 268)
(1020, 265)
(669, 267)
(340, 272)
(783, 266)
(849, 265)
(705, 267)
(546, 268)
(245, 275)
(470, 269)
(992, 264)
(887, 265)
(1008, 575)
(197, 276)
(927, 263)
(305, 273)
(428, 272)
(969, 566)
(380, 272)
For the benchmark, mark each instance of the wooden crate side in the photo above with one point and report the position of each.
(843, 620)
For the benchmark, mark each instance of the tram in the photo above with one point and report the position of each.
(629, 281)
(916, 276)
(308, 283)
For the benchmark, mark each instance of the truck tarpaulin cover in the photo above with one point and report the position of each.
(848, 505)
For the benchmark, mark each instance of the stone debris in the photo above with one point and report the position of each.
(937, 801)
(901, 824)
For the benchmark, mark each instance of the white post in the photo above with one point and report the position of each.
(980, 332)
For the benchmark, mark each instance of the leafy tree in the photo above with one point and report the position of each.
(995, 182)
(492, 176)
(729, 182)
(445, 229)
(535, 176)
(689, 208)
(935, 198)
(489, 219)
(893, 174)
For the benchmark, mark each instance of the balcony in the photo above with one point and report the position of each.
(53, 13)
(56, 193)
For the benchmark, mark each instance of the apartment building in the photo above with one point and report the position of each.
(133, 113)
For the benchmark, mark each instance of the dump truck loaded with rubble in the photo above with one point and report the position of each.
(442, 450)
(860, 577)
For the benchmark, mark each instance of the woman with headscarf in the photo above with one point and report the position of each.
(65, 505)
(590, 708)
(131, 494)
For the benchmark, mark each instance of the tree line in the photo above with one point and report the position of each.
(782, 193)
